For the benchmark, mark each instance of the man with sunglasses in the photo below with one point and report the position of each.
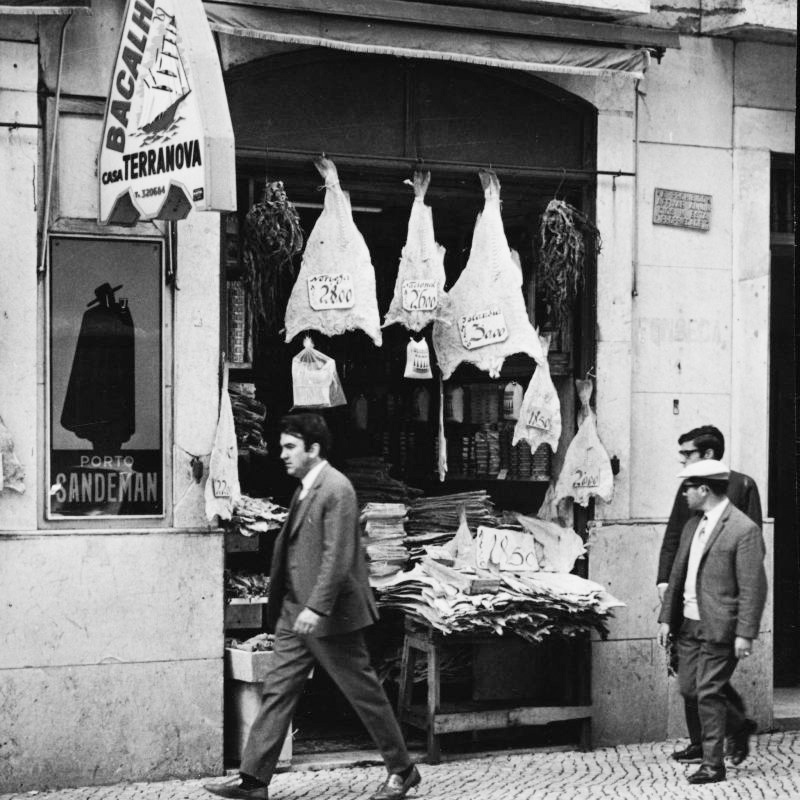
(699, 444)
(713, 604)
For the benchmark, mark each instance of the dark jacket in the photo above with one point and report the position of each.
(319, 554)
(731, 581)
(742, 492)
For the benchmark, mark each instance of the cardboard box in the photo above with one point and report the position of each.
(247, 666)
(240, 613)
(242, 702)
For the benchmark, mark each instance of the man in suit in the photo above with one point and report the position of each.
(713, 603)
(705, 442)
(320, 602)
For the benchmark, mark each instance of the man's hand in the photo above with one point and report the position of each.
(662, 590)
(741, 647)
(306, 622)
(663, 634)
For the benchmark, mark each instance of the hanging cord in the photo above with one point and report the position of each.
(635, 204)
(51, 165)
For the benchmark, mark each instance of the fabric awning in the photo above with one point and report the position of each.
(387, 36)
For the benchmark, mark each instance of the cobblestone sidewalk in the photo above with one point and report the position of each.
(633, 772)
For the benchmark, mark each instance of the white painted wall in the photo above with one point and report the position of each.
(120, 630)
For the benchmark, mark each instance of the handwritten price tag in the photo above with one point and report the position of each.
(483, 328)
(507, 550)
(584, 480)
(330, 291)
(420, 295)
(539, 419)
(221, 488)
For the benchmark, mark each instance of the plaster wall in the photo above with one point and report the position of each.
(111, 667)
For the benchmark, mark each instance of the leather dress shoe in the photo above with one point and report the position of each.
(238, 789)
(693, 754)
(707, 773)
(740, 742)
(395, 788)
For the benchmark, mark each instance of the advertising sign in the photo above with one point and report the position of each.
(105, 392)
(167, 142)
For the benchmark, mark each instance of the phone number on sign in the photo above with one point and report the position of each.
(140, 194)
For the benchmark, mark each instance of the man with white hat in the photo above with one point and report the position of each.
(713, 605)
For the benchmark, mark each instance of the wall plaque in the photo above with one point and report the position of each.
(682, 209)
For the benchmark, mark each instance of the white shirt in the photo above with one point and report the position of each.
(307, 481)
(701, 534)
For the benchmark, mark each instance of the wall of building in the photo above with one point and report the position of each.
(112, 661)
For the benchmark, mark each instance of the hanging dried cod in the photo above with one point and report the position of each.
(488, 306)
(419, 296)
(335, 290)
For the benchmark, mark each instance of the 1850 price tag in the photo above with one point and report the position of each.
(484, 327)
(505, 550)
(420, 295)
(538, 418)
(330, 291)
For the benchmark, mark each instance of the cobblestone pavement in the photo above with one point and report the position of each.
(630, 772)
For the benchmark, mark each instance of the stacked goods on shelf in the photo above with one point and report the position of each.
(245, 586)
(237, 322)
(257, 515)
(533, 605)
(373, 484)
(384, 536)
(248, 418)
(434, 520)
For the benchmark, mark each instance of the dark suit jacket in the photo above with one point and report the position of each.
(731, 582)
(742, 492)
(319, 554)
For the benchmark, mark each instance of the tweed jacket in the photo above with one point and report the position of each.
(742, 492)
(731, 581)
(319, 554)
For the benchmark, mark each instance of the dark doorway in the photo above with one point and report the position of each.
(784, 443)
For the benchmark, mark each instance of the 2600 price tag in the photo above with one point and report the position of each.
(420, 295)
(330, 291)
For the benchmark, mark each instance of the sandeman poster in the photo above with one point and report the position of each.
(105, 353)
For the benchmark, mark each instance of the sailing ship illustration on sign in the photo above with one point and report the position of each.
(164, 83)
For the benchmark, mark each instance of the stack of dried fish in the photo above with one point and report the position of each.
(434, 520)
(532, 606)
(259, 643)
(373, 484)
(243, 585)
(248, 418)
(257, 515)
(383, 537)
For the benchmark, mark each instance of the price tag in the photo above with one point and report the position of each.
(220, 487)
(330, 291)
(483, 328)
(584, 480)
(420, 295)
(505, 550)
(537, 419)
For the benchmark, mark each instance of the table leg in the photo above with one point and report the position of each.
(434, 700)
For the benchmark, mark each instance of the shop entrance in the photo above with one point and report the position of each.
(784, 442)
(380, 118)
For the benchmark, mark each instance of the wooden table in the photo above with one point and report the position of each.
(436, 718)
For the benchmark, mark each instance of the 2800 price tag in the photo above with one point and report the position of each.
(420, 295)
(330, 291)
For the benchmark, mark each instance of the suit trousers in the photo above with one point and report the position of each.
(346, 659)
(704, 669)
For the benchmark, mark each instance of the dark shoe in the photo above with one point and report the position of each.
(238, 787)
(395, 788)
(693, 754)
(740, 742)
(707, 774)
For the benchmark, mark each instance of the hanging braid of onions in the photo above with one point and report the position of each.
(272, 238)
(565, 234)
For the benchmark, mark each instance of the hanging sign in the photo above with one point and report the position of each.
(505, 550)
(682, 209)
(330, 291)
(106, 444)
(420, 295)
(483, 328)
(167, 142)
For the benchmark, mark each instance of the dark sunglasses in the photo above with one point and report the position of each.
(687, 453)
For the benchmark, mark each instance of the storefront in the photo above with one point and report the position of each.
(113, 575)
